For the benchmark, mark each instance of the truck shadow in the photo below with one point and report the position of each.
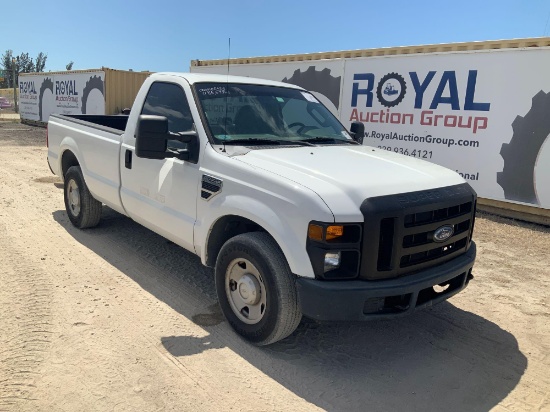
(440, 358)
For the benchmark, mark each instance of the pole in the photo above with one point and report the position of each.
(14, 86)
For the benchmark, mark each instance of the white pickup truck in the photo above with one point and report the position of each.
(262, 182)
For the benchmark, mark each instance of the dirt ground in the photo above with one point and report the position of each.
(119, 319)
(7, 110)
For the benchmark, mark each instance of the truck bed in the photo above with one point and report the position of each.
(95, 140)
(117, 122)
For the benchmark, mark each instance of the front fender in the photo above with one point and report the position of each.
(288, 227)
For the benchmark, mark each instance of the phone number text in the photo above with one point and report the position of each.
(421, 154)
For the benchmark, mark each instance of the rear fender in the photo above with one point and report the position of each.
(68, 143)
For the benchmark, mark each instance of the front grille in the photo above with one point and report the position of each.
(421, 238)
(399, 230)
(385, 244)
(419, 246)
(439, 215)
(432, 253)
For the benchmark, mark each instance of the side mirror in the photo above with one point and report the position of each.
(152, 137)
(187, 137)
(191, 139)
(357, 131)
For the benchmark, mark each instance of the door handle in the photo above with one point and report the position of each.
(128, 159)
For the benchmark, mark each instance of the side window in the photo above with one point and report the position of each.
(168, 99)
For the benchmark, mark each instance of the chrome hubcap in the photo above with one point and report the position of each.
(245, 291)
(73, 198)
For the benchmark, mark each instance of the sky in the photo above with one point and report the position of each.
(166, 35)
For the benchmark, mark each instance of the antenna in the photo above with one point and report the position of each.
(226, 93)
(229, 56)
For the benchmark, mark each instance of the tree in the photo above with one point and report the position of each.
(8, 63)
(69, 66)
(23, 64)
(41, 62)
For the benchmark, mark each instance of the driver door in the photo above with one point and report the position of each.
(161, 194)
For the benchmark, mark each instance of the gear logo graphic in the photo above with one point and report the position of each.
(47, 84)
(320, 81)
(517, 178)
(95, 82)
(391, 89)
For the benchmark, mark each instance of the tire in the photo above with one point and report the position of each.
(83, 210)
(520, 154)
(95, 82)
(263, 261)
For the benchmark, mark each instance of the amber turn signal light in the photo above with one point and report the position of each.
(315, 232)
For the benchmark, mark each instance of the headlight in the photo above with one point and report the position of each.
(334, 249)
(334, 233)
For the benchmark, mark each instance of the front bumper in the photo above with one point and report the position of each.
(357, 300)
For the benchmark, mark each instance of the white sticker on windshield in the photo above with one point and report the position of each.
(309, 97)
(346, 134)
(213, 91)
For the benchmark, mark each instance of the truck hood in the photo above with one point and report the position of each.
(344, 176)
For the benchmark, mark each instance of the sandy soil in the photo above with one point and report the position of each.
(119, 319)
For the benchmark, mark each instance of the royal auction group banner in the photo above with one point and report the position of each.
(484, 114)
(69, 93)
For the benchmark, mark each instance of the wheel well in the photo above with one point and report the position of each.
(224, 229)
(68, 160)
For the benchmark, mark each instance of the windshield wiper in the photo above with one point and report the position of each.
(251, 140)
(322, 139)
(255, 140)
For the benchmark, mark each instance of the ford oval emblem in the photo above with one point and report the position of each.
(443, 233)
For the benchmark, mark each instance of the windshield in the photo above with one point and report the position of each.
(256, 114)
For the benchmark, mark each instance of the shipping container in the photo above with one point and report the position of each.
(479, 108)
(96, 91)
(8, 94)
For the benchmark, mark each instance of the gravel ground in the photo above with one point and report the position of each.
(117, 318)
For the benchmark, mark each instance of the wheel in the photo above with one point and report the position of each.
(256, 290)
(302, 128)
(83, 210)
